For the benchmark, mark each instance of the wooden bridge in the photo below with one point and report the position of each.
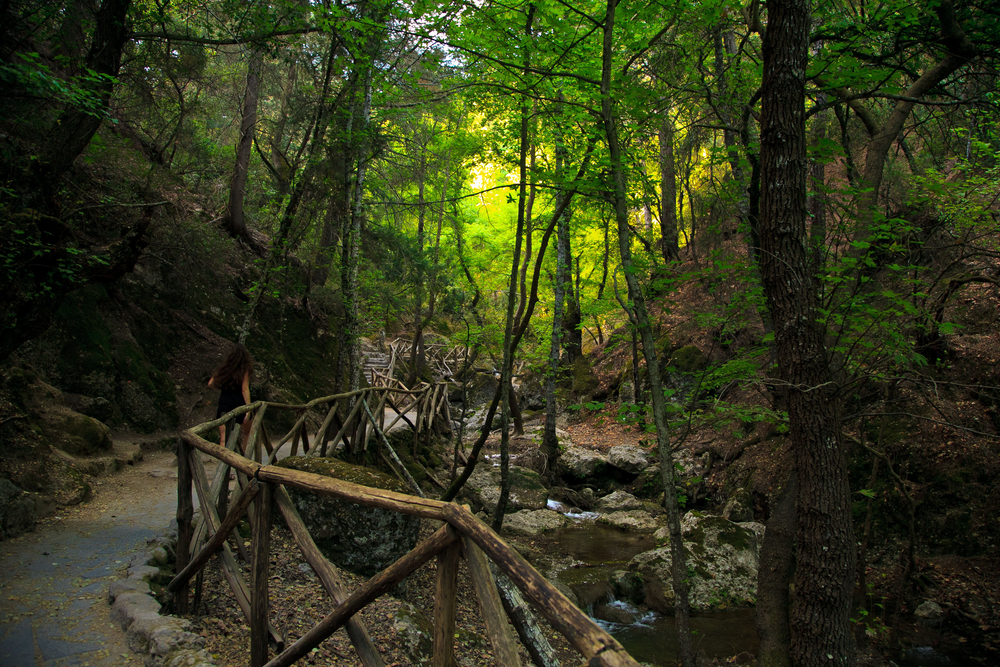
(262, 489)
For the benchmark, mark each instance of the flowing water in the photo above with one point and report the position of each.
(583, 557)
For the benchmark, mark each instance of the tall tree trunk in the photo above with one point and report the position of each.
(550, 442)
(350, 335)
(641, 317)
(508, 332)
(825, 548)
(235, 221)
(669, 245)
(417, 347)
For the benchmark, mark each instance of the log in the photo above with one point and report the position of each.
(230, 568)
(524, 621)
(328, 576)
(185, 511)
(445, 593)
(583, 634)
(260, 567)
(399, 502)
(370, 590)
(218, 539)
(497, 628)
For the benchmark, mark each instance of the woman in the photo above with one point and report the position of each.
(232, 378)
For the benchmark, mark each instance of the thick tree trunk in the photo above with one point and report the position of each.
(77, 126)
(777, 562)
(826, 553)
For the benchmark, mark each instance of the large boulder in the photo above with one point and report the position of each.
(723, 555)
(17, 510)
(526, 489)
(361, 539)
(578, 464)
(64, 428)
(628, 458)
(530, 523)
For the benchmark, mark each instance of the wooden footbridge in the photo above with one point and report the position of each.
(262, 490)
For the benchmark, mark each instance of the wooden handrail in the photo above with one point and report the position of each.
(596, 645)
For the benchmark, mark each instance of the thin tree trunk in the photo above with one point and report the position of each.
(641, 316)
(508, 344)
(668, 191)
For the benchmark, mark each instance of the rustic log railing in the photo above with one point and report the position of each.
(263, 487)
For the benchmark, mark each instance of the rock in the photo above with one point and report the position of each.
(531, 393)
(628, 585)
(526, 489)
(688, 359)
(628, 458)
(578, 463)
(99, 408)
(17, 510)
(533, 522)
(636, 520)
(585, 382)
(723, 555)
(739, 508)
(416, 633)
(584, 499)
(929, 610)
(626, 392)
(622, 613)
(618, 501)
(532, 459)
(648, 484)
(66, 429)
(364, 540)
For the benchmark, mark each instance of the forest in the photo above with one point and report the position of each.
(808, 191)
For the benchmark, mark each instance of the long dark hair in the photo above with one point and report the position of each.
(237, 364)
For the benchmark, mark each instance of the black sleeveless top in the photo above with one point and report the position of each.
(230, 398)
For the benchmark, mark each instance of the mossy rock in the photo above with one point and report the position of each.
(689, 359)
(585, 382)
(364, 540)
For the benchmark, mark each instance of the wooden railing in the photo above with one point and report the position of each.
(263, 487)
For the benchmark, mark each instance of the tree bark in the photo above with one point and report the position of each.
(641, 320)
(669, 245)
(235, 221)
(826, 553)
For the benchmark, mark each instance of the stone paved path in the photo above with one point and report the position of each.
(54, 580)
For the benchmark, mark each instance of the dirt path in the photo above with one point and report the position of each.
(54, 580)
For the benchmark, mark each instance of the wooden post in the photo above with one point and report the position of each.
(328, 576)
(185, 512)
(235, 513)
(497, 628)
(444, 606)
(261, 561)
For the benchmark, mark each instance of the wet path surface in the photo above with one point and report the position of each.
(54, 580)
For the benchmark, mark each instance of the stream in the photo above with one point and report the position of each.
(582, 558)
